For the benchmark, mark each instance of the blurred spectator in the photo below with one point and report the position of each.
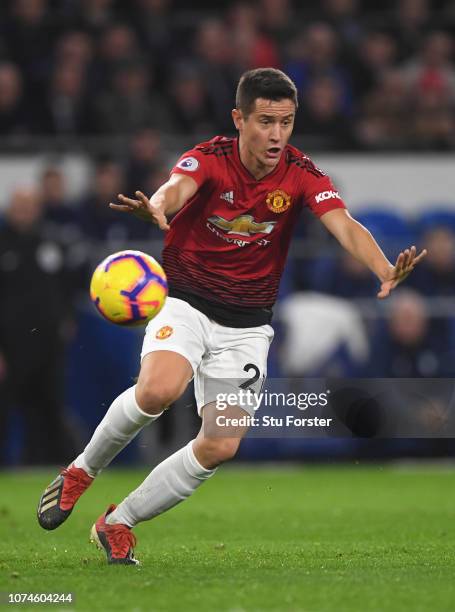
(53, 196)
(376, 55)
(99, 222)
(433, 70)
(111, 67)
(33, 323)
(332, 328)
(14, 118)
(251, 47)
(144, 156)
(130, 106)
(93, 15)
(66, 110)
(435, 276)
(411, 345)
(410, 22)
(213, 52)
(61, 220)
(74, 47)
(344, 277)
(278, 20)
(118, 44)
(321, 120)
(118, 47)
(154, 22)
(384, 121)
(190, 102)
(434, 123)
(29, 33)
(57, 213)
(315, 54)
(343, 16)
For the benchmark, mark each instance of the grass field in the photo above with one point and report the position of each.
(312, 538)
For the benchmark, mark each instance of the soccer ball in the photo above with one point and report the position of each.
(128, 288)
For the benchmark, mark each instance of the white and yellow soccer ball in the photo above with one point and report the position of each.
(129, 288)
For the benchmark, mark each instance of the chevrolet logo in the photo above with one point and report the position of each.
(245, 225)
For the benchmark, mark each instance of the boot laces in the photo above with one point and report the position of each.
(75, 485)
(121, 539)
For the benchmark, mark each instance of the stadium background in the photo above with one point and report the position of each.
(100, 97)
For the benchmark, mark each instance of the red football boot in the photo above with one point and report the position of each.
(118, 541)
(58, 500)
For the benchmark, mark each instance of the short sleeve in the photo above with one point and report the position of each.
(319, 194)
(195, 164)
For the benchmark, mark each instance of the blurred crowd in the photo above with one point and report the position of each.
(328, 320)
(371, 75)
(330, 302)
(322, 283)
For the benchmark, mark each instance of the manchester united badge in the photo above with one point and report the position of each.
(164, 332)
(278, 201)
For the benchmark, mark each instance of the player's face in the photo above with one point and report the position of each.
(265, 132)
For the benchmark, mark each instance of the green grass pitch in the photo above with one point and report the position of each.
(313, 539)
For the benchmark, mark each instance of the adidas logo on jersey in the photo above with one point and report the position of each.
(228, 196)
(326, 195)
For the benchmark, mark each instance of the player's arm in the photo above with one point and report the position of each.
(359, 242)
(167, 200)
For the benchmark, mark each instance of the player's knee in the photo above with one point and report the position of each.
(217, 451)
(153, 395)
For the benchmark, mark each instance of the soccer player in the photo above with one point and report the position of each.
(236, 202)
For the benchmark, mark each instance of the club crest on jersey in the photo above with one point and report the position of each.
(164, 332)
(278, 201)
(188, 163)
(245, 225)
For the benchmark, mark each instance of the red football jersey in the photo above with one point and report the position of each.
(229, 242)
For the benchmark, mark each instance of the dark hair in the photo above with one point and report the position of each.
(267, 83)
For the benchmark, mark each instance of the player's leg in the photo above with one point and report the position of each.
(172, 349)
(170, 483)
(215, 445)
(163, 377)
(178, 476)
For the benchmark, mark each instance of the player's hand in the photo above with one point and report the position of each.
(405, 264)
(142, 208)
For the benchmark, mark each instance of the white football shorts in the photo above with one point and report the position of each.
(223, 359)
